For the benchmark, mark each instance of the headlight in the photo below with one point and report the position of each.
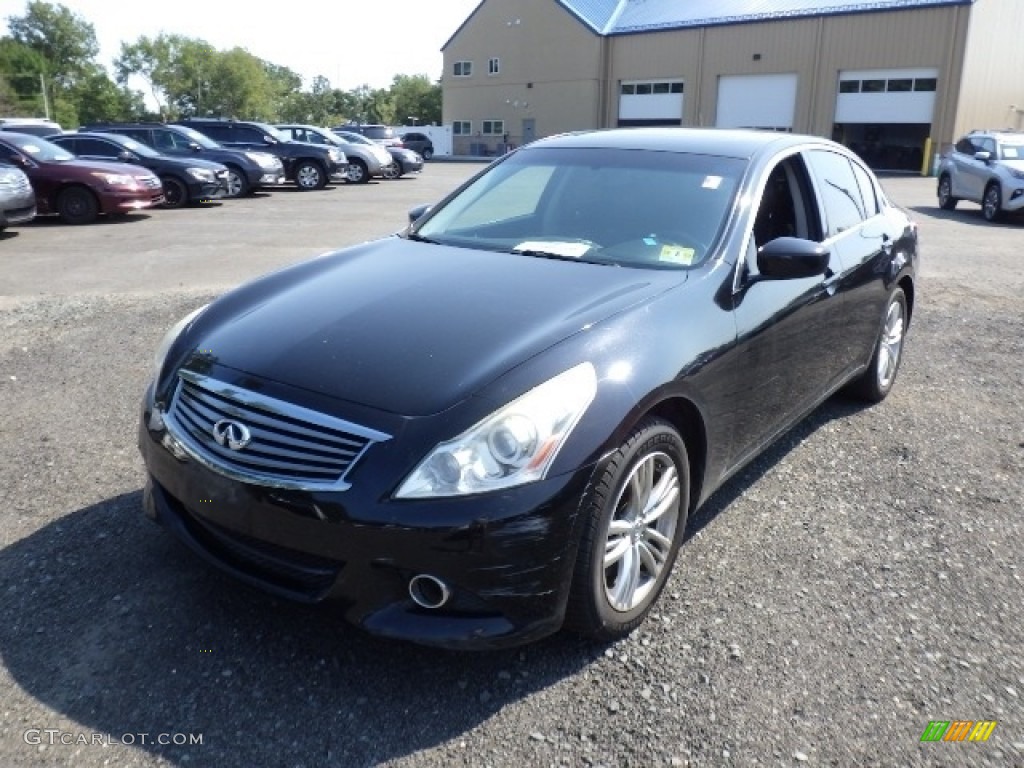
(170, 336)
(1016, 174)
(264, 159)
(202, 174)
(514, 445)
(336, 155)
(116, 179)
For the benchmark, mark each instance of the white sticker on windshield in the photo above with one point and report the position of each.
(712, 182)
(32, 149)
(571, 249)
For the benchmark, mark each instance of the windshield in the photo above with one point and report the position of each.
(1011, 151)
(139, 149)
(612, 206)
(354, 138)
(39, 149)
(279, 135)
(201, 139)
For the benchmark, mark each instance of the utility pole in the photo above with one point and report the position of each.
(46, 101)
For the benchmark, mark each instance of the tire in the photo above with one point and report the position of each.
(175, 192)
(876, 382)
(392, 170)
(427, 153)
(992, 202)
(623, 562)
(309, 176)
(946, 200)
(238, 183)
(357, 172)
(77, 205)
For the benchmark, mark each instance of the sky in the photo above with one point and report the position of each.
(351, 43)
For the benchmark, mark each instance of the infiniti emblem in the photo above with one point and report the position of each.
(232, 434)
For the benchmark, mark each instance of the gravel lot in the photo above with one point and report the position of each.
(860, 580)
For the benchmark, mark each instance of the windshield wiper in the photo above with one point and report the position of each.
(418, 238)
(541, 254)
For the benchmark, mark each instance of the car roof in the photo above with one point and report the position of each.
(739, 143)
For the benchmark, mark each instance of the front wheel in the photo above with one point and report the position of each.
(876, 382)
(634, 520)
(77, 205)
(357, 172)
(175, 192)
(992, 203)
(427, 153)
(309, 176)
(392, 170)
(238, 184)
(946, 200)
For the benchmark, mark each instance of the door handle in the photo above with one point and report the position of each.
(886, 245)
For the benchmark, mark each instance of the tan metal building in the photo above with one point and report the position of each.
(897, 80)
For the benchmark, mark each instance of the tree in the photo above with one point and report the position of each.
(416, 96)
(65, 42)
(98, 98)
(176, 69)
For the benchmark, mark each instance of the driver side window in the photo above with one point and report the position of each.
(783, 210)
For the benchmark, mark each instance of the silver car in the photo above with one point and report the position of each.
(985, 167)
(17, 198)
(365, 158)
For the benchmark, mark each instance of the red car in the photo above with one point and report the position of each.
(79, 190)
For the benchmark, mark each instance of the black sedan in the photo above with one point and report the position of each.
(403, 161)
(499, 421)
(185, 181)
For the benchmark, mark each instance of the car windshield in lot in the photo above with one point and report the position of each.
(619, 207)
(133, 146)
(39, 149)
(201, 139)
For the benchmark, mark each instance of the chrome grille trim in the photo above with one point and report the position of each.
(291, 446)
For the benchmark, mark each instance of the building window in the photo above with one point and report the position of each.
(659, 88)
(643, 89)
(463, 68)
(925, 84)
(462, 128)
(873, 86)
(901, 85)
(493, 66)
(849, 86)
(628, 89)
(676, 87)
(493, 128)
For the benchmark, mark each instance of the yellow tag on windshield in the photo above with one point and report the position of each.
(677, 254)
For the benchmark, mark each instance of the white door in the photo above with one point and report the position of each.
(881, 96)
(757, 101)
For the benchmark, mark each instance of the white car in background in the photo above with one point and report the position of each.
(987, 168)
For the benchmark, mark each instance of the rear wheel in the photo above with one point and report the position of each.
(635, 517)
(392, 170)
(175, 192)
(309, 176)
(876, 382)
(77, 205)
(946, 200)
(238, 184)
(427, 153)
(357, 172)
(992, 203)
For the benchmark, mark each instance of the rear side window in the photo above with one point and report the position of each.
(218, 132)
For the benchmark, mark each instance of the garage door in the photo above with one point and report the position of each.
(886, 96)
(757, 101)
(650, 102)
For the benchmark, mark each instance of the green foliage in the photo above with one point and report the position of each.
(183, 76)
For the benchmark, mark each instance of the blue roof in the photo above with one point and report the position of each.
(618, 17)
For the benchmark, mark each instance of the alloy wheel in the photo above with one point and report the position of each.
(890, 346)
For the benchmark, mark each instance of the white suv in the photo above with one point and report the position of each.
(985, 167)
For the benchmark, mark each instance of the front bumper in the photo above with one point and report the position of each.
(506, 557)
(1013, 196)
(272, 179)
(123, 200)
(18, 209)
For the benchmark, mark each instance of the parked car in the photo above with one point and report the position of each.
(380, 154)
(499, 421)
(17, 200)
(366, 159)
(419, 143)
(403, 161)
(309, 166)
(185, 182)
(248, 170)
(34, 126)
(381, 134)
(79, 190)
(985, 167)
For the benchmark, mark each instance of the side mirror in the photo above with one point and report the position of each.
(269, 139)
(984, 156)
(786, 258)
(126, 156)
(194, 147)
(415, 214)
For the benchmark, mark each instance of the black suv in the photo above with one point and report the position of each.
(310, 166)
(248, 170)
(419, 142)
(185, 181)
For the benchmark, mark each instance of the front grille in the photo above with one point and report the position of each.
(288, 446)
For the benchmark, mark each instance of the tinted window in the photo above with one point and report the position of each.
(138, 134)
(96, 148)
(840, 193)
(219, 132)
(965, 146)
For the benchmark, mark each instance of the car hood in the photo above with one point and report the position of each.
(1015, 165)
(412, 328)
